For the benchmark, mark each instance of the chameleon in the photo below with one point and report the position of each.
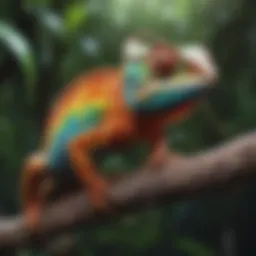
(155, 84)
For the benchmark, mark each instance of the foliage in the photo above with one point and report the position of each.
(44, 44)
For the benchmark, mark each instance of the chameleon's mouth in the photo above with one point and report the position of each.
(180, 82)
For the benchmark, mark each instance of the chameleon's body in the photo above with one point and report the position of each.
(101, 109)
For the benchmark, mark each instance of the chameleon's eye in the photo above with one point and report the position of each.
(135, 49)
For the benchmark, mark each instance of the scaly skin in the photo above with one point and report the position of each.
(96, 110)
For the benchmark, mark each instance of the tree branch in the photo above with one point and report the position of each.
(214, 169)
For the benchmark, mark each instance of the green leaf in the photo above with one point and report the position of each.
(75, 15)
(17, 45)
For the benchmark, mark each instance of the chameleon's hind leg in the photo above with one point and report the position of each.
(32, 192)
(80, 149)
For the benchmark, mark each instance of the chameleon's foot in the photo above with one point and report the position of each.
(98, 196)
(158, 158)
(161, 156)
(32, 218)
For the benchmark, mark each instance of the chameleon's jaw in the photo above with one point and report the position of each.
(183, 84)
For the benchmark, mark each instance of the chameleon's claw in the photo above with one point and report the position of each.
(98, 196)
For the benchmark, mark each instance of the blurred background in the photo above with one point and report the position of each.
(45, 43)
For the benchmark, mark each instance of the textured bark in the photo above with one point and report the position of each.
(217, 168)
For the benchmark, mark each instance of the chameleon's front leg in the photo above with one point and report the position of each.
(80, 149)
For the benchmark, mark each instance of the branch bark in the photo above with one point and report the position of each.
(213, 169)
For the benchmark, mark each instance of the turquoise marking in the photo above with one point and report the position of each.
(136, 71)
(58, 158)
(135, 75)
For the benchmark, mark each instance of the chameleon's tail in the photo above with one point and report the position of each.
(33, 187)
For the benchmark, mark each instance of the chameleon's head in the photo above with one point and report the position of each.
(155, 67)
